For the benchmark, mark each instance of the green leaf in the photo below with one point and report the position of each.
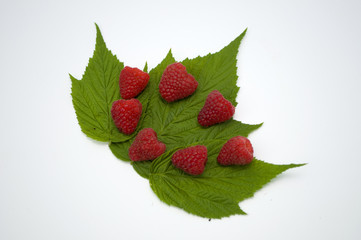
(217, 192)
(94, 94)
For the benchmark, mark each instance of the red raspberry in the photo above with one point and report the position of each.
(126, 114)
(132, 81)
(237, 151)
(176, 83)
(217, 109)
(191, 160)
(146, 146)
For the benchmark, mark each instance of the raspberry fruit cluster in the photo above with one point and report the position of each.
(175, 84)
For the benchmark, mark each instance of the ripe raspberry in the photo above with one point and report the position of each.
(146, 146)
(132, 81)
(176, 83)
(217, 109)
(191, 160)
(126, 114)
(237, 151)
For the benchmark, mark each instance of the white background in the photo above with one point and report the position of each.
(299, 72)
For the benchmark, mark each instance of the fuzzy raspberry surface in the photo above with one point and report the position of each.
(216, 109)
(146, 146)
(126, 114)
(132, 81)
(236, 151)
(191, 160)
(176, 83)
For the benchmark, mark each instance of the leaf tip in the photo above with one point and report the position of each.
(99, 39)
(170, 52)
(96, 26)
(169, 56)
(294, 165)
(298, 165)
(145, 69)
(242, 34)
(72, 78)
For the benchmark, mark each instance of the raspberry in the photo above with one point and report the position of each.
(216, 109)
(132, 81)
(176, 83)
(146, 146)
(126, 114)
(191, 160)
(237, 151)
